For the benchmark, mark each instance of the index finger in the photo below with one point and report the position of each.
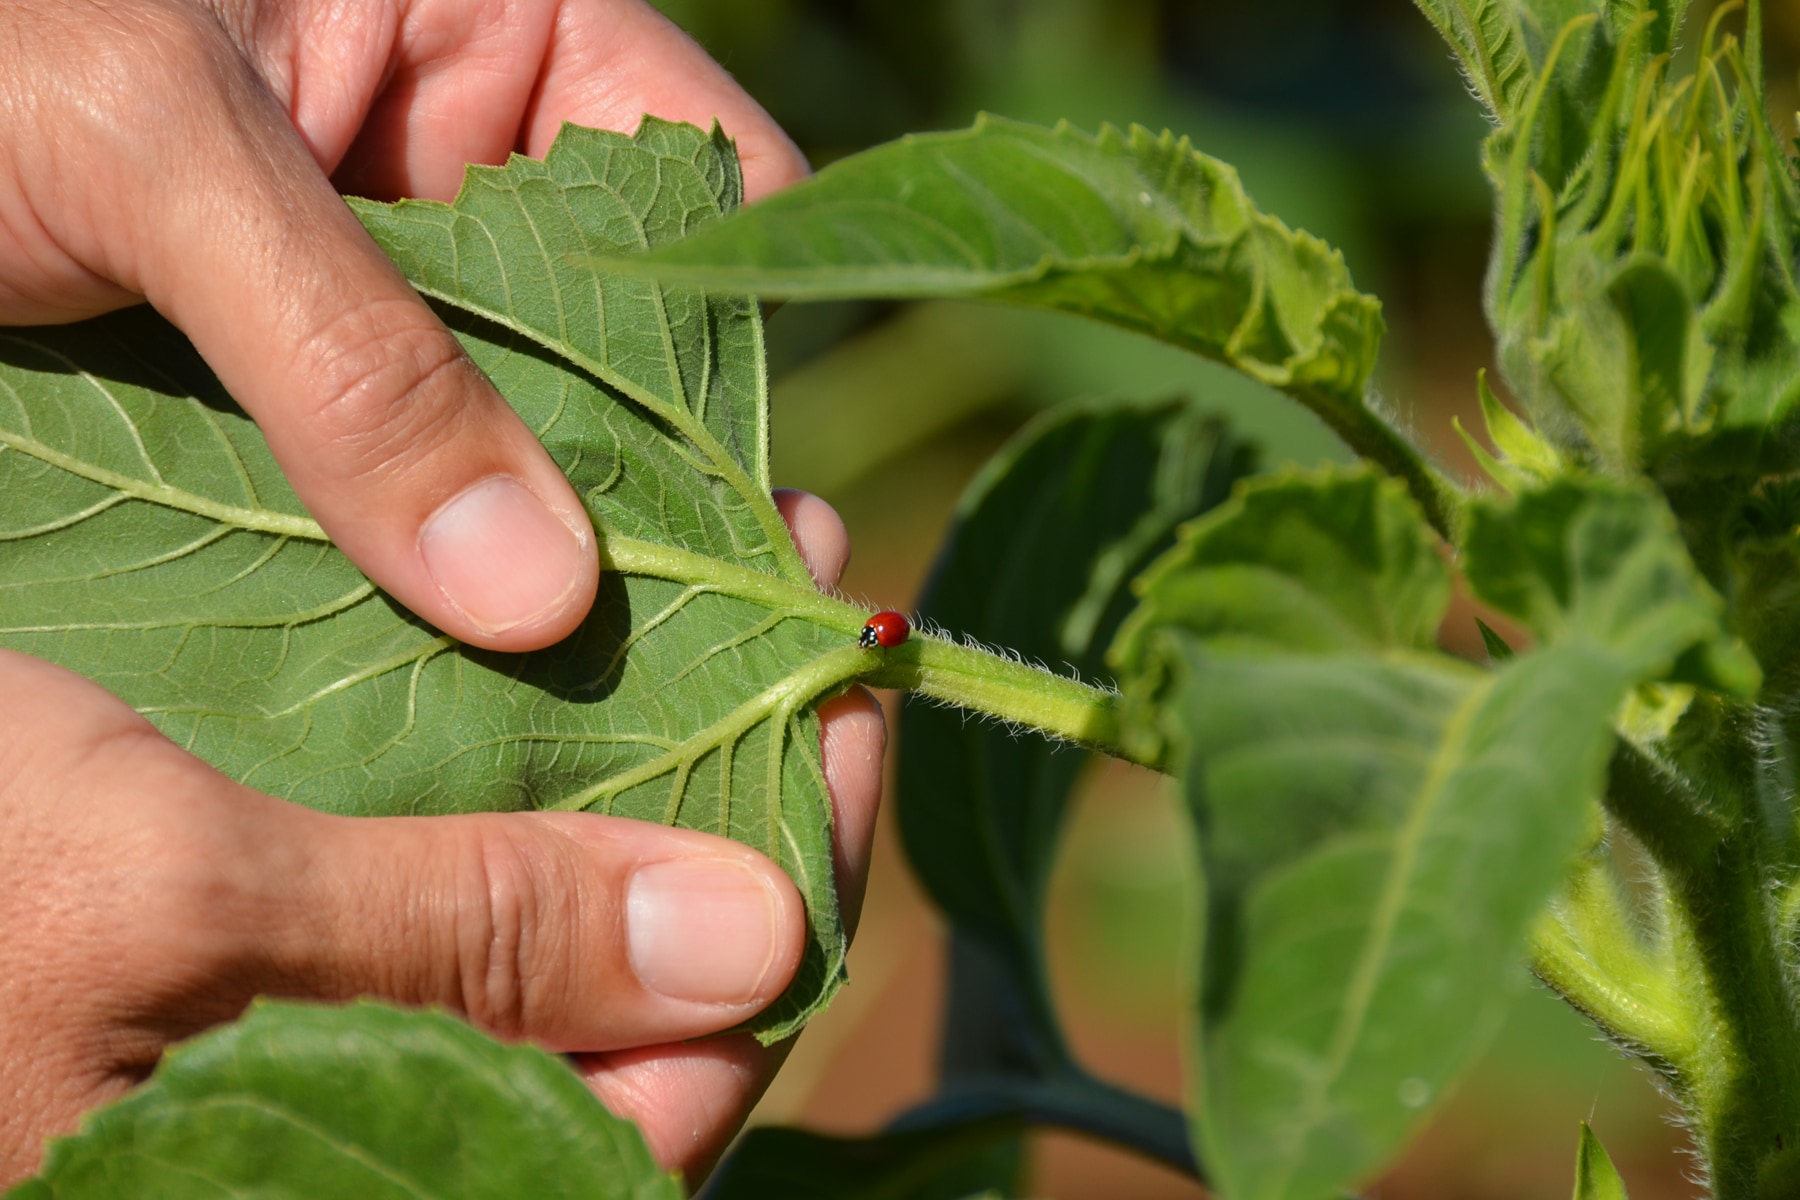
(611, 61)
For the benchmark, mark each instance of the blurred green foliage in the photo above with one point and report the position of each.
(1348, 119)
(1342, 115)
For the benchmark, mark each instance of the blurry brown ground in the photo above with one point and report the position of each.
(1345, 118)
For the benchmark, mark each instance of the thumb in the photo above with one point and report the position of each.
(389, 434)
(577, 931)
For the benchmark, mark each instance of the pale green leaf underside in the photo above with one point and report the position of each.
(1379, 822)
(363, 1101)
(147, 540)
(1379, 831)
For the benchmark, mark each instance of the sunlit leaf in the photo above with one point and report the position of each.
(364, 1101)
(1644, 289)
(1133, 228)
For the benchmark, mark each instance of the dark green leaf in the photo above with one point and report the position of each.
(1495, 645)
(928, 1164)
(1595, 1176)
(1046, 540)
(364, 1101)
(148, 540)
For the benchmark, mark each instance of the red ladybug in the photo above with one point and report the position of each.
(886, 629)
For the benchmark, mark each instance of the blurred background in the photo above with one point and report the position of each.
(1346, 118)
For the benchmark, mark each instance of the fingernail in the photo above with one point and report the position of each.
(500, 555)
(701, 930)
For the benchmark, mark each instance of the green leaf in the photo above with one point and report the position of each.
(949, 1163)
(1375, 847)
(1374, 844)
(1489, 45)
(1525, 458)
(1595, 1176)
(1588, 559)
(1046, 540)
(1496, 646)
(1132, 228)
(1645, 290)
(364, 1101)
(1332, 560)
(148, 540)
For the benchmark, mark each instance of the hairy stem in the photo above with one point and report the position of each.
(933, 666)
(1727, 964)
(1369, 435)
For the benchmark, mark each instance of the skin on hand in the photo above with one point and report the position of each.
(189, 153)
(183, 152)
(145, 897)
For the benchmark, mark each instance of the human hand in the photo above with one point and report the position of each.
(182, 151)
(145, 897)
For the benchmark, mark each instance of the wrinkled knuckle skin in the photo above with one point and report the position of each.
(150, 54)
(387, 386)
(513, 941)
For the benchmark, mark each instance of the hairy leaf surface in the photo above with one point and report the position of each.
(1604, 561)
(364, 1101)
(1644, 287)
(1490, 46)
(148, 541)
(1378, 822)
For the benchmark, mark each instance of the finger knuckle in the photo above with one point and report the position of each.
(152, 51)
(511, 941)
(386, 388)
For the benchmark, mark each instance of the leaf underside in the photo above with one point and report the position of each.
(149, 541)
(1379, 822)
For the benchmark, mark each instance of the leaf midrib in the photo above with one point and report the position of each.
(730, 471)
(1445, 763)
(261, 520)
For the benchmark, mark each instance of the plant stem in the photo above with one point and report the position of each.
(1011, 691)
(1366, 432)
(933, 666)
(1587, 949)
(1074, 1101)
(1741, 1083)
